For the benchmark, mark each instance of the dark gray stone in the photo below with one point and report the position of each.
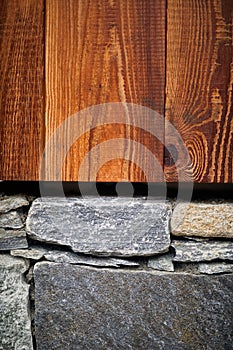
(15, 323)
(110, 226)
(11, 220)
(98, 309)
(12, 239)
(12, 202)
(201, 251)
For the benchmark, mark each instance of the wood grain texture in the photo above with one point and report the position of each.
(99, 52)
(21, 89)
(199, 71)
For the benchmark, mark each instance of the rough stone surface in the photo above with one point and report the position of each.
(31, 253)
(201, 251)
(111, 226)
(203, 219)
(15, 324)
(162, 262)
(97, 309)
(11, 220)
(72, 258)
(215, 267)
(12, 202)
(12, 239)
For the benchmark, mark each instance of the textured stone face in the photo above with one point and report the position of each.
(113, 226)
(11, 239)
(71, 258)
(162, 262)
(15, 324)
(215, 267)
(203, 219)
(200, 251)
(11, 220)
(31, 253)
(12, 202)
(99, 309)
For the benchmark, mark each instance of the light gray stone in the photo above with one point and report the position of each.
(215, 267)
(201, 251)
(197, 239)
(98, 309)
(72, 258)
(203, 219)
(15, 324)
(110, 226)
(11, 220)
(12, 239)
(162, 262)
(12, 202)
(31, 253)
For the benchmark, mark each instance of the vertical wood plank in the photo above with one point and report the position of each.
(99, 52)
(199, 82)
(21, 89)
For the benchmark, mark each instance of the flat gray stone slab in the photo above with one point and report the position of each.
(201, 251)
(110, 226)
(12, 202)
(12, 239)
(30, 253)
(162, 262)
(11, 220)
(15, 324)
(203, 219)
(215, 267)
(98, 309)
(71, 258)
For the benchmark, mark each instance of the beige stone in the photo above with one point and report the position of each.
(203, 219)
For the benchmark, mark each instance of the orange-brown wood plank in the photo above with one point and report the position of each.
(199, 85)
(21, 88)
(101, 51)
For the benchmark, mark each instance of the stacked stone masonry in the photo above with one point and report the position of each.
(115, 273)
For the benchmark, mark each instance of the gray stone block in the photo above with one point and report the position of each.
(215, 267)
(15, 324)
(11, 220)
(110, 226)
(12, 239)
(98, 309)
(12, 202)
(203, 219)
(201, 251)
(30, 253)
(71, 258)
(162, 262)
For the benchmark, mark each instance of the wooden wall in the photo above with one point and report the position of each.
(60, 57)
(22, 124)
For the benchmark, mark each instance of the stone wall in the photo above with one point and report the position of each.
(115, 273)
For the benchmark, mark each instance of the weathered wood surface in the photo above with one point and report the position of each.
(199, 78)
(97, 52)
(21, 88)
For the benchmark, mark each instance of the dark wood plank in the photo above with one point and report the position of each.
(21, 89)
(199, 85)
(98, 52)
